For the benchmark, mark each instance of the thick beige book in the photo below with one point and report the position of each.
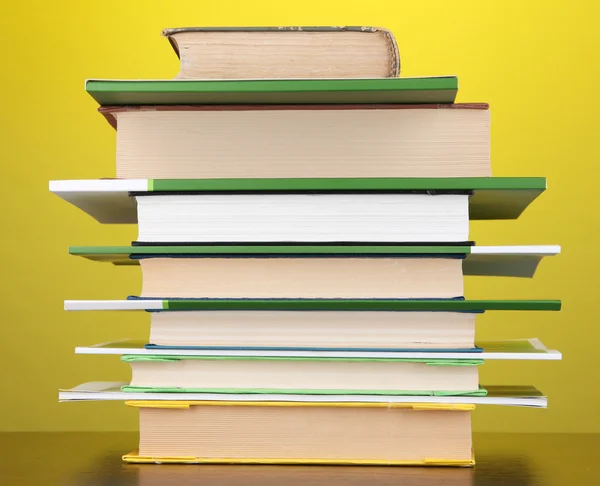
(326, 278)
(284, 52)
(301, 141)
(320, 330)
(306, 433)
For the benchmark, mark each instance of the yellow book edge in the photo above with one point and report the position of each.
(184, 404)
(134, 458)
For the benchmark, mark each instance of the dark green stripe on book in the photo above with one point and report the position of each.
(360, 305)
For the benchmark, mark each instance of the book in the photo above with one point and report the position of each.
(302, 277)
(303, 376)
(392, 305)
(284, 52)
(511, 395)
(513, 349)
(308, 433)
(408, 90)
(108, 200)
(501, 261)
(302, 218)
(316, 271)
(295, 141)
(318, 330)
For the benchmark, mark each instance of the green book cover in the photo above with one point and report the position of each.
(497, 261)
(358, 304)
(350, 184)
(121, 254)
(417, 90)
(109, 201)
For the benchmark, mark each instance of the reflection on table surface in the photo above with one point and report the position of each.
(77, 459)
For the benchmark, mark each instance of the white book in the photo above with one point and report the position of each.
(289, 218)
(517, 349)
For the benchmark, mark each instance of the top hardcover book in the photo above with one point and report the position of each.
(284, 52)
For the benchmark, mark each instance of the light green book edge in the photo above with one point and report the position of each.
(417, 90)
(516, 346)
(481, 392)
(359, 304)
(132, 358)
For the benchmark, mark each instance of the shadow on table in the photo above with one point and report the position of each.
(94, 459)
(497, 470)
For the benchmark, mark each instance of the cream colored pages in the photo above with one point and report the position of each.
(207, 144)
(305, 432)
(302, 277)
(285, 54)
(303, 375)
(314, 329)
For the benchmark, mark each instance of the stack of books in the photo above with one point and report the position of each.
(303, 218)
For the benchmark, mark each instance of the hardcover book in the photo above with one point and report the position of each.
(304, 376)
(284, 52)
(295, 141)
(303, 433)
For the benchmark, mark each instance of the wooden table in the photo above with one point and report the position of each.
(76, 459)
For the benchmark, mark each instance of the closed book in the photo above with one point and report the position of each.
(284, 52)
(333, 330)
(301, 218)
(302, 141)
(303, 433)
(304, 277)
(305, 376)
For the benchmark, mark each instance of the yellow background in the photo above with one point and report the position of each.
(535, 62)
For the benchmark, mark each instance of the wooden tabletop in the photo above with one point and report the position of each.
(77, 459)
